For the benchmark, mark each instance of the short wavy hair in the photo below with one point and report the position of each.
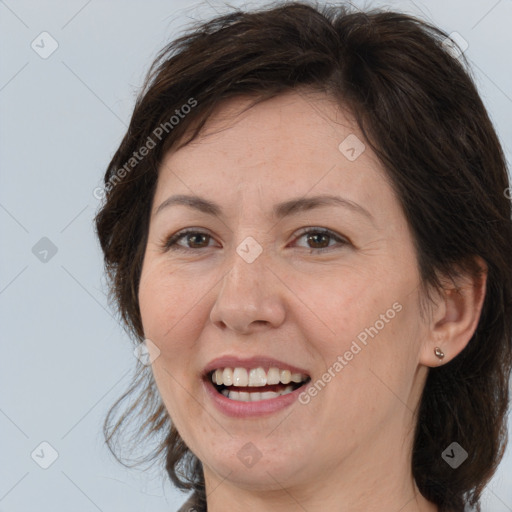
(418, 108)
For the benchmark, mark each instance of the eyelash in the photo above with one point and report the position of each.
(171, 242)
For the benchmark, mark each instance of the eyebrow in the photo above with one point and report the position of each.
(280, 210)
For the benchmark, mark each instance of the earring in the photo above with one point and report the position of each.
(439, 353)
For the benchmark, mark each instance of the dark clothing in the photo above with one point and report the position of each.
(192, 505)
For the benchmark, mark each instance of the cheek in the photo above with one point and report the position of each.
(340, 306)
(167, 303)
(357, 323)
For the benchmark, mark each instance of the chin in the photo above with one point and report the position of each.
(258, 465)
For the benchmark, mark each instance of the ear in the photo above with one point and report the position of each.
(454, 316)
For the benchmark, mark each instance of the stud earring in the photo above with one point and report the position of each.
(439, 353)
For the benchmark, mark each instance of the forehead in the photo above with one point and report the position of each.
(275, 128)
(289, 145)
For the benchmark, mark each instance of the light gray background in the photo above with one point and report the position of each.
(64, 358)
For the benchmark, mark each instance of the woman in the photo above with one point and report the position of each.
(306, 229)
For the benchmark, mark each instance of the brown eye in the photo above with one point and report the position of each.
(192, 240)
(319, 239)
(197, 239)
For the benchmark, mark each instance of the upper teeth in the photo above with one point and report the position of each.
(255, 376)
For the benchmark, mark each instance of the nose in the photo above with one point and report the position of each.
(250, 298)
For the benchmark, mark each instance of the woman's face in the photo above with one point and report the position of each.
(247, 289)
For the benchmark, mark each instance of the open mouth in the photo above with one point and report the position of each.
(255, 384)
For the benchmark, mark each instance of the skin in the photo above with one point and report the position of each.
(349, 448)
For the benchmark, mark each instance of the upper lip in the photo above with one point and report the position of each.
(252, 362)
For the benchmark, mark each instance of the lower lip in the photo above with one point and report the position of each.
(238, 409)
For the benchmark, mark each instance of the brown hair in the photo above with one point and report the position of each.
(419, 110)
